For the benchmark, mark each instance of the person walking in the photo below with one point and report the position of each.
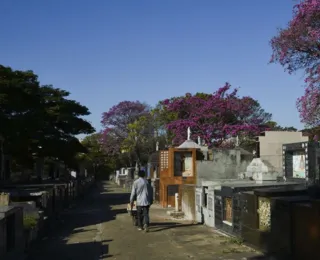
(142, 193)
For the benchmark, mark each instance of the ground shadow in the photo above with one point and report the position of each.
(269, 257)
(95, 208)
(86, 251)
(160, 226)
(257, 258)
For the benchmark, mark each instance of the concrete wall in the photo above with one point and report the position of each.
(188, 202)
(226, 164)
(271, 146)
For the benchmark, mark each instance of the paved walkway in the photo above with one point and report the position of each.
(100, 228)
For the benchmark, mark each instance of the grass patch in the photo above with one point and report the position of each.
(235, 240)
(235, 245)
(232, 240)
(231, 250)
(30, 222)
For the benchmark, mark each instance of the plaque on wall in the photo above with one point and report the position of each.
(298, 164)
(228, 209)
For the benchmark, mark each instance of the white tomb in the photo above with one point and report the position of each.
(260, 171)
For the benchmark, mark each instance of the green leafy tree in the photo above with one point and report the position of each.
(39, 121)
(162, 116)
(96, 160)
(141, 139)
(273, 126)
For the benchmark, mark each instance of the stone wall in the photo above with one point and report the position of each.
(226, 164)
(271, 146)
(39, 201)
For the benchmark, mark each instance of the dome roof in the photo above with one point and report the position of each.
(188, 144)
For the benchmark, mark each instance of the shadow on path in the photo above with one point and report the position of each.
(160, 226)
(268, 257)
(79, 233)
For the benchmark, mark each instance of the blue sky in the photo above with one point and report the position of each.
(107, 51)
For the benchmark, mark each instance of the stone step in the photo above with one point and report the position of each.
(175, 214)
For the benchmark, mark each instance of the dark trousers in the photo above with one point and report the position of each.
(143, 215)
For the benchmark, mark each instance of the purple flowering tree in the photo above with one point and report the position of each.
(115, 123)
(297, 47)
(214, 117)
